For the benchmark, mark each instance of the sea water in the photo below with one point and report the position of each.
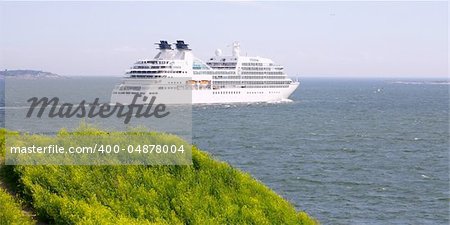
(346, 151)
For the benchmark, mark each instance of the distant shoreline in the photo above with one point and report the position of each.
(29, 74)
(422, 82)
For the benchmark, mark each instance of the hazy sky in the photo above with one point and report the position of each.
(358, 39)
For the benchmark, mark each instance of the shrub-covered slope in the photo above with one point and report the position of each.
(11, 211)
(207, 192)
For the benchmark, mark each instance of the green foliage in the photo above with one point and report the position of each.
(206, 192)
(11, 212)
(10, 209)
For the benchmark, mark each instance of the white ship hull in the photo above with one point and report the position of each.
(229, 95)
(239, 95)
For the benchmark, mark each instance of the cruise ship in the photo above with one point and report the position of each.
(175, 73)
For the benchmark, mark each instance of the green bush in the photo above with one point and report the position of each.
(206, 192)
(11, 212)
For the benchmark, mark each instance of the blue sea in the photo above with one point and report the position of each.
(346, 151)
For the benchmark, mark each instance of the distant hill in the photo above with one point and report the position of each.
(28, 74)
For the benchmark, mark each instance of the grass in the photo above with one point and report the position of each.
(206, 192)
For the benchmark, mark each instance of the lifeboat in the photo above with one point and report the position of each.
(191, 82)
(205, 82)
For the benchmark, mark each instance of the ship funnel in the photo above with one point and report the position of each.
(163, 45)
(181, 45)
